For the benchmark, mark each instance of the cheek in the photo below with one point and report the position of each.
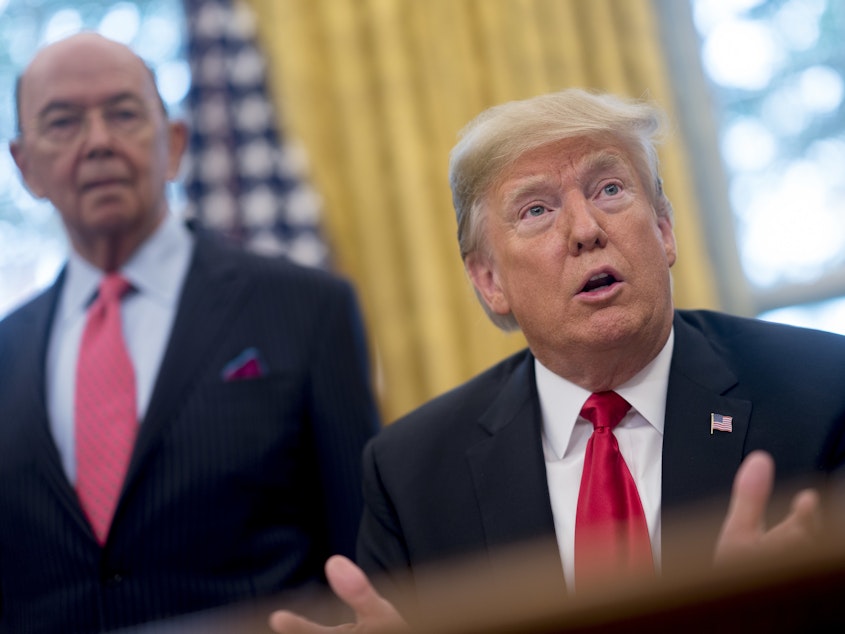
(55, 177)
(536, 284)
(650, 241)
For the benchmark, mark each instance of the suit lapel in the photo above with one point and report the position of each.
(508, 467)
(213, 293)
(699, 466)
(33, 399)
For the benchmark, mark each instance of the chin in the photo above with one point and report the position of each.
(608, 331)
(111, 213)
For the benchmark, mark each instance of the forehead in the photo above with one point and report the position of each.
(83, 73)
(568, 158)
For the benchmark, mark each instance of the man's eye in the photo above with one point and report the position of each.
(124, 117)
(62, 123)
(535, 210)
(126, 114)
(611, 189)
(61, 128)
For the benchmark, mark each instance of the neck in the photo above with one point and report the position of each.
(110, 250)
(109, 255)
(605, 369)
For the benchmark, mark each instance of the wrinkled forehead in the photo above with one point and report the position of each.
(83, 72)
(578, 157)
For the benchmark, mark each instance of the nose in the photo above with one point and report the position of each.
(96, 135)
(584, 233)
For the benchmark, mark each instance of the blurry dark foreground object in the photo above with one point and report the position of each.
(521, 592)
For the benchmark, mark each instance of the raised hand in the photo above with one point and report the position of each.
(744, 533)
(373, 613)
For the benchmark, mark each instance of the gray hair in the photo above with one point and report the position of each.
(500, 135)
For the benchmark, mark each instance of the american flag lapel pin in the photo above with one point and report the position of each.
(720, 422)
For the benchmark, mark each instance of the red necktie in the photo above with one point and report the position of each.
(105, 409)
(611, 534)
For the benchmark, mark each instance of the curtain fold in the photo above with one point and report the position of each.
(377, 90)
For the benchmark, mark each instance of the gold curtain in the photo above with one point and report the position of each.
(377, 90)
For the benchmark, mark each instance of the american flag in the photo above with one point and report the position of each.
(241, 176)
(721, 422)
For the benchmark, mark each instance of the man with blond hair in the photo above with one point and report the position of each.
(567, 235)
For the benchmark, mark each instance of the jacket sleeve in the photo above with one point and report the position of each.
(344, 413)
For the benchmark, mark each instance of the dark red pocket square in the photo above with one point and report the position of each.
(247, 365)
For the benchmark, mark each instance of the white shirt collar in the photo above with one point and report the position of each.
(151, 269)
(561, 400)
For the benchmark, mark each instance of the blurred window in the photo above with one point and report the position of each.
(776, 72)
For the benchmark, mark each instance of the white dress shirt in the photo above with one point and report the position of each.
(640, 438)
(157, 272)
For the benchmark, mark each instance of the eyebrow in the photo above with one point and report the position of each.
(525, 187)
(602, 160)
(60, 104)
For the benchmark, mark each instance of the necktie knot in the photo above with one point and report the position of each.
(112, 287)
(605, 409)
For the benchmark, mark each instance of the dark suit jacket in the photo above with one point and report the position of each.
(235, 490)
(466, 473)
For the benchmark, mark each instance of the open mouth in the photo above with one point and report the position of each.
(599, 281)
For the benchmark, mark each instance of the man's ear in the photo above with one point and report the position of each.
(667, 234)
(177, 143)
(21, 158)
(485, 279)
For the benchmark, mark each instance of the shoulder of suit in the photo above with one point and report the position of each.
(467, 401)
(765, 348)
(726, 325)
(24, 315)
(273, 269)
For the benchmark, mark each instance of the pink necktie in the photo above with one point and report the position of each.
(611, 534)
(105, 409)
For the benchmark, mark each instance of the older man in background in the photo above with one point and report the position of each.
(182, 422)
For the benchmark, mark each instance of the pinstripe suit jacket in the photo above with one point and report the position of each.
(235, 489)
(466, 473)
